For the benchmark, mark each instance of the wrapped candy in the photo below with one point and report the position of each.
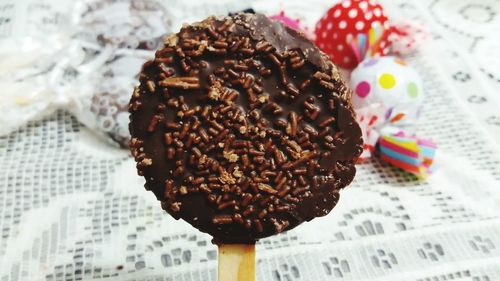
(370, 120)
(407, 37)
(408, 153)
(388, 96)
(35, 35)
(127, 24)
(346, 20)
(390, 82)
(117, 37)
(109, 103)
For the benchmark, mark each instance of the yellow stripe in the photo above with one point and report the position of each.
(410, 144)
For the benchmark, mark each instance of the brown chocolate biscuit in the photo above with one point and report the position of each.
(243, 128)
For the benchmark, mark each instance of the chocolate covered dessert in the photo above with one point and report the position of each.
(243, 128)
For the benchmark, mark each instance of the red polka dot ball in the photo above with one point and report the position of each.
(350, 17)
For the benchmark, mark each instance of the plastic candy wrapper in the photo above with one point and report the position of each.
(406, 37)
(73, 55)
(408, 153)
(371, 121)
(116, 37)
(33, 34)
(389, 81)
(106, 110)
(346, 20)
(83, 56)
(388, 96)
(124, 24)
(119, 36)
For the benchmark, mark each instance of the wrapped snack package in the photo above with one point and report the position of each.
(81, 56)
(117, 36)
(107, 109)
(78, 56)
(33, 34)
(124, 24)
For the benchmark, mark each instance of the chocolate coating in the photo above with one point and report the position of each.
(243, 128)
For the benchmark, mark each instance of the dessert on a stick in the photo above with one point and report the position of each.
(243, 128)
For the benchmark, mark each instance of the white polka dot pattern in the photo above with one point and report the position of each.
(348, 18)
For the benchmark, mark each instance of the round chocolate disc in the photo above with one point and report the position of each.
(243, 128)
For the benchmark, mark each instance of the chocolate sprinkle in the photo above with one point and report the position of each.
(243, 128)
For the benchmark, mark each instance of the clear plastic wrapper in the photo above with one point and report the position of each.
(117, 36)
(106, 111)
(83, 56)
(33, 34)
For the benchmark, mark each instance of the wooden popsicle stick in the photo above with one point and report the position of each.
(237, 262)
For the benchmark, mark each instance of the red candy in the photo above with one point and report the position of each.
(350, 17)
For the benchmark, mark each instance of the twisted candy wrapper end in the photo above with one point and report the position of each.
(409, 153)
(370, 118)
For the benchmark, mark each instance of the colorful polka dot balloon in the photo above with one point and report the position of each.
(391, 83)
(348, 19)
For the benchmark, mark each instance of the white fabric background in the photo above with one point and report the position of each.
(73, 208)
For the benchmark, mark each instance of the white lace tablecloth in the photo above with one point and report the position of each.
(73, 208)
